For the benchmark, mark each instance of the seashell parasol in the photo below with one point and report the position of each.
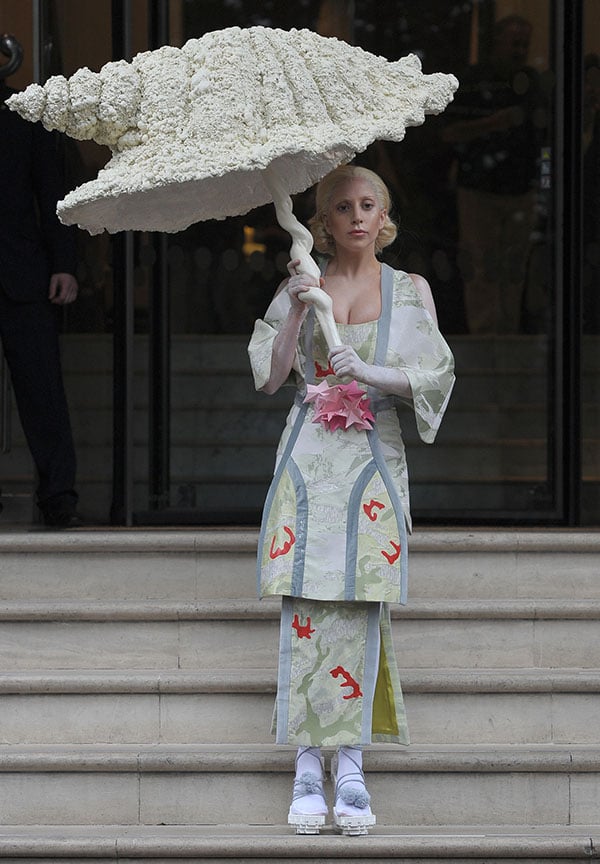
(228, 122)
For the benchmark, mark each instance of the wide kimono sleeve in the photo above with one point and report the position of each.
(260, 347)
(418, 348)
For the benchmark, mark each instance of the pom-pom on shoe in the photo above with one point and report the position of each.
(351, 810)
(308, 808)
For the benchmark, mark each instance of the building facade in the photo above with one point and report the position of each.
(498, 205)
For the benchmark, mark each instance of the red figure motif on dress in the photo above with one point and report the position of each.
(287, 545)
(392, 557)
(347, 682)
(323, 373)
(303, 630)
(371, 509)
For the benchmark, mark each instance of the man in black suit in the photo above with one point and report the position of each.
(37, 267)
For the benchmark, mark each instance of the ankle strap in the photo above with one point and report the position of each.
(312, 751)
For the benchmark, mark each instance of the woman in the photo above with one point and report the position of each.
(333, 535)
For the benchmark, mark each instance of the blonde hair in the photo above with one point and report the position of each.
(323, 240)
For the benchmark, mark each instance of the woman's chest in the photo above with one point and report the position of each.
(355, 303)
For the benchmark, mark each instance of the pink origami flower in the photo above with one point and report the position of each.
(340, 406)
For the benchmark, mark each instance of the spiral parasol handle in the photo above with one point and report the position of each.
(302, 243)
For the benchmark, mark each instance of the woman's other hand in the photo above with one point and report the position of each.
(345, 362)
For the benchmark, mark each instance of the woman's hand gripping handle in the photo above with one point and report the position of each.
(306, 287)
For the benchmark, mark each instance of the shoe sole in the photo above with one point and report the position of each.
(353, 826)
(305, 824)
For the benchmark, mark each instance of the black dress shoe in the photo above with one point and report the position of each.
(62, 519)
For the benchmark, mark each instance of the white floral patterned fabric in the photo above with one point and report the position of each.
(336, 515)
(338, 682)
(333, 534)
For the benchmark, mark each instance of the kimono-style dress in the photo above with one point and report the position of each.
(333, 533)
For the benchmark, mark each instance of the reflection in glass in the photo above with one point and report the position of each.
(591, 265)
(477, 216)
(493, 450)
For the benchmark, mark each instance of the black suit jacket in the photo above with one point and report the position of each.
(33, 242)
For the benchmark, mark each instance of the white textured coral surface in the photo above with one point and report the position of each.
(192, 129)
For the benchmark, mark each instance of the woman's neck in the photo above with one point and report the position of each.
(353, 266)
(354, 284)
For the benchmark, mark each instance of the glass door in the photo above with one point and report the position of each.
(591, 265)
(478, 196)
(168, 427)
(57, 38)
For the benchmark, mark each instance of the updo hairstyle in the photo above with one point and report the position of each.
(322, 238)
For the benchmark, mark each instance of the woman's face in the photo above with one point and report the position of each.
(355, 216)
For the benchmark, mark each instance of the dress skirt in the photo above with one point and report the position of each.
(333, 535)
(338, 682)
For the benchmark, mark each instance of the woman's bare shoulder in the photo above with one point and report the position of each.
(424, 289)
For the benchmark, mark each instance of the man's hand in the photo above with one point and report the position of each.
(63, 288)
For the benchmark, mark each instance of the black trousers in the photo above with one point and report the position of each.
(30, 343)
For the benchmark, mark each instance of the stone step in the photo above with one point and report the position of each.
(201, 363)
(90, 351)
(200, 564)
(92, 424)
(196, 504)
(205, 473)
(518, 459)
(515, 747)
(248, 844)
(222, 387)
(203, 504)
(445, 706)
(18, 500)
(244, 634)
(193, 386)
(239, 461)
(184, 785)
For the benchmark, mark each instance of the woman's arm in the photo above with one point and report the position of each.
(284, 350)
(284, 346)
(422, 286)
(346, 362)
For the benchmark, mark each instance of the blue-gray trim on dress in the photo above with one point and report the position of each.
(378, 464)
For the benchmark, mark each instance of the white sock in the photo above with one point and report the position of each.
(353, 789)
(308, 774)
(309, 759)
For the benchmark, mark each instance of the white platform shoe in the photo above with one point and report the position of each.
(351, 810)
(308, 808)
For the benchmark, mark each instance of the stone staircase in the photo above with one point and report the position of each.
(137, 675)
(491, 450)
